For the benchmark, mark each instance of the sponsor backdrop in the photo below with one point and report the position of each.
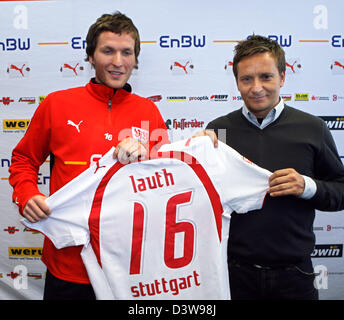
(185, 67)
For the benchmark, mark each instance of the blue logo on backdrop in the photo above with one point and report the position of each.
(283, 41)
(184, 41)
(337, 41)
(78, 43)
(11, 44)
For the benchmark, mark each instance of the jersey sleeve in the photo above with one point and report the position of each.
(241, 184)
(67, 225)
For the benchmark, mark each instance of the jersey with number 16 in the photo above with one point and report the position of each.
(157, 229)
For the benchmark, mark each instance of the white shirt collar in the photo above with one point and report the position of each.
(270, 118)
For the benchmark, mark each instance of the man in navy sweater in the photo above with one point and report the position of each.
(269, 249)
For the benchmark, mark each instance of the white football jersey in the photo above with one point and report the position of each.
(157, 229)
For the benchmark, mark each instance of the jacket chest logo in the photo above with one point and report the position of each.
(71, 123)
(139, 134)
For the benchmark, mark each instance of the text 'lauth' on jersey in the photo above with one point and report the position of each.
(153, 182)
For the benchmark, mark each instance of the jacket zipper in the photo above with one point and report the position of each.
(109, 104)
(109, 114)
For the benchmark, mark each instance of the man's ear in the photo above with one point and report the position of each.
(282, 79)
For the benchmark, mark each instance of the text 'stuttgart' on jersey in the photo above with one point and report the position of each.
(157, 229)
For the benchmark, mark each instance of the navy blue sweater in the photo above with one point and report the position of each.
(282, 231)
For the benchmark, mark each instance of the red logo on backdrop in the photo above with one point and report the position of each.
(72, 69)
(11, 230)
(14, 67)
(229, 65)
(338, 64)
(67, 66)
(183, 123)
(13, 275)
(179, 65)
(156, 98)
(6, 100)
(184, 66)
(337, 67)
(293, 66)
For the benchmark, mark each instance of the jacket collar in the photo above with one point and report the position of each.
(105, 93)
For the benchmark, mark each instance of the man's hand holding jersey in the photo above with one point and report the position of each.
(286, 182)
(210, 133)
(36, 209)
(282, 182)
(129, 150)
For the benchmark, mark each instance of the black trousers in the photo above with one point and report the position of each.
(57, 289)
(254, 282)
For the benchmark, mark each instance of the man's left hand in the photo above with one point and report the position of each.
(286, 182)
(210, 133)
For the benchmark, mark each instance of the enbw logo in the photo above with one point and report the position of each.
(283, 42)
(184, 41)
(337, 41)
(78, 43)
(11, 44)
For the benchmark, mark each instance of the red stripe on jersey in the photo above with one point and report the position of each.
(137, 238)
(94, 218)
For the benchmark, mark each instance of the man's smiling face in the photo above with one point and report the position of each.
(114, 59)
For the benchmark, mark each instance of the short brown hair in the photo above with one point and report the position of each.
(116, 23)
(258, 44)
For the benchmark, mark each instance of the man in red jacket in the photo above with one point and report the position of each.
(75, 127)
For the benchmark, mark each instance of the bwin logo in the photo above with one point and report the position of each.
(327, 251)
(185, 41)
(334, 122)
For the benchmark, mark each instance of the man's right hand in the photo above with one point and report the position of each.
(129, 150)
(36, 209)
